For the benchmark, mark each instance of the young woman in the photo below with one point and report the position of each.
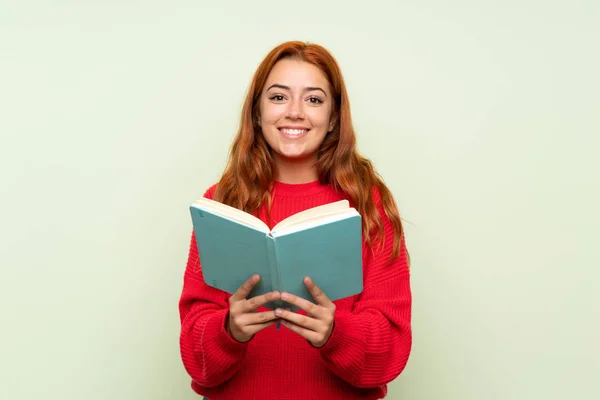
(295, 149)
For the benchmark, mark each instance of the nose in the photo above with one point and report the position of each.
(295, 110)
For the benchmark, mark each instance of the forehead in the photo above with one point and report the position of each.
(295, 73)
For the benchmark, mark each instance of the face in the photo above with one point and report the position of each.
(296, 110)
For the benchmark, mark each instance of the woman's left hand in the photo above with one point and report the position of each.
(317, 325)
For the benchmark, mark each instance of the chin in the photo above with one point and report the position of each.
(295, 156)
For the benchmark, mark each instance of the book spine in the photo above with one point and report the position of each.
(273, 267)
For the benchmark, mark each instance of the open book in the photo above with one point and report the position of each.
(324, 243)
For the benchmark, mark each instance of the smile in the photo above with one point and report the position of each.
(293, 132)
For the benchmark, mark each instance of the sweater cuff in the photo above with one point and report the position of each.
(214, 339)
(343, 337)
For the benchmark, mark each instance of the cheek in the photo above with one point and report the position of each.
(321, 119)
(269, 114)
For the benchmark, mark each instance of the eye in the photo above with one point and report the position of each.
(315, 100)
(277, 97)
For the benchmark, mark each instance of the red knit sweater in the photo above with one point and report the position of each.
(369, 346)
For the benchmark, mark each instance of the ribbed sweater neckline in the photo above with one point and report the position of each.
(299, 189)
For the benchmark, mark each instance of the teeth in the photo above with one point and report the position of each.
(293, 132)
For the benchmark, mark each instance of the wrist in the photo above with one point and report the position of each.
(230, 332)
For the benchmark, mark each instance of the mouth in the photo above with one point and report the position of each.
(293, 133)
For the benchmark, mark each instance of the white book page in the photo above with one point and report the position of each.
(232, 213)
(315, 221)
(311, 213)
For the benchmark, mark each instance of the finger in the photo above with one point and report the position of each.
(257, 301)
(257, 318)
(316, 292)
(252, 322)
(307, 334)
(309, 307)
(253, 329)
(298, 319)
(245, 289)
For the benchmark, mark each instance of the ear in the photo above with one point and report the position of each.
(332, 121)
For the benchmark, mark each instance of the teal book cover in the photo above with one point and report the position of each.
(324, 243)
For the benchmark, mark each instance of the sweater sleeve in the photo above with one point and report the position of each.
(209, 354)
(371, 344)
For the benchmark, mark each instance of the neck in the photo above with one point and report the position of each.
(296, 171)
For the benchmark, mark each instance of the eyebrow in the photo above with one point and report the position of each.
(306, 89)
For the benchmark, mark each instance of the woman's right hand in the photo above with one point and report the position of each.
(243, 322)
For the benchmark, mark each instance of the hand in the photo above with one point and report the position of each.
(243, 322)
(317, 325)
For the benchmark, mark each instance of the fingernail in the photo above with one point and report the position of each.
(284, 296)
(278, 312)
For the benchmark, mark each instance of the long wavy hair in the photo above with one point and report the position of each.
(248, 179)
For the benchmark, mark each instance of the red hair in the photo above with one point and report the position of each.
(248, 178)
